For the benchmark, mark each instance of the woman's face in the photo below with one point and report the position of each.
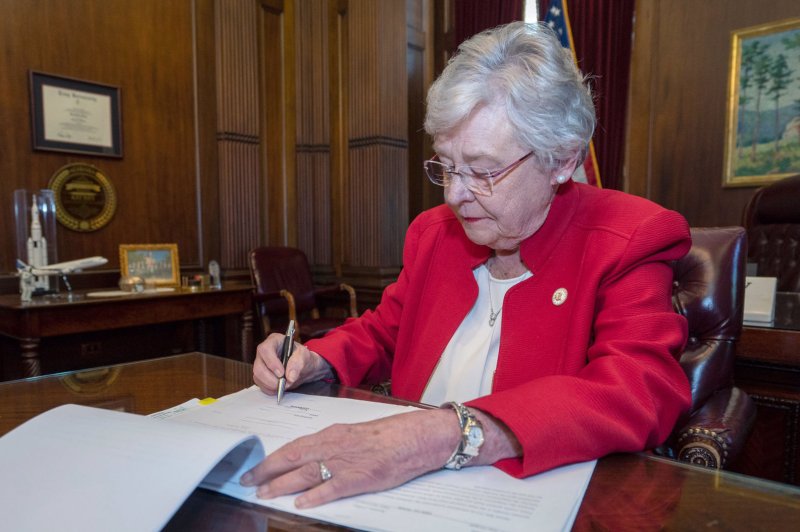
(519, 203)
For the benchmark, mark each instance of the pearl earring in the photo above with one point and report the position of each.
(561, 179)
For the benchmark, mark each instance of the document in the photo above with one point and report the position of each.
(77, 468)
(138, 470)
(474, 498)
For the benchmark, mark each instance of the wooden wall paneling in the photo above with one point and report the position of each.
(322, 244)
(678, 104)
(313, 135)
(444, 35)
(422, 194)
(238, 131)
(339, 73)
(206, 150)
(689, 121)
(239, 170)
(360, 219)
(636, 170)
(146, 49)
(278, 115)
(378, 189)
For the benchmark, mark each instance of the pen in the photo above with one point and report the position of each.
(286, 352)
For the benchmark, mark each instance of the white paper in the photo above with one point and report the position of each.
(250, 411)
(81, 468)
(478, 498)
(123, 293)
(77, 468)
(75, 116)
(759, 299)
(475, 498)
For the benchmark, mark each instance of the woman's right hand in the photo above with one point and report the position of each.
(303, 366)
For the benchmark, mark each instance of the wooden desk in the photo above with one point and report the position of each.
(45, 317)
(627, 492)
(777, 342)
(768, 369)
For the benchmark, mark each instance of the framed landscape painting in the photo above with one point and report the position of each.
(762, 137)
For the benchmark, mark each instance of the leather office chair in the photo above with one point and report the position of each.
(772, 220)
(708, 289)
(284, 291)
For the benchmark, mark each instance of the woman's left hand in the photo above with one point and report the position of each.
(362, 457)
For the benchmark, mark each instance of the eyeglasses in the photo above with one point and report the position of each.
(478, 180)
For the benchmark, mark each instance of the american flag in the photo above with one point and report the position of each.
(557, 18)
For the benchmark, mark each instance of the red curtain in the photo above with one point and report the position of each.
(473, 16)
(602, 33)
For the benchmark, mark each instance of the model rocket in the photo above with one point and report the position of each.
(37, 248)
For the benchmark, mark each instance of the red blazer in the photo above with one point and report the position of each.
(594, 375)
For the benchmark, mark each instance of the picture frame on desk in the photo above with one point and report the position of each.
(762, 132)
(156, 263)
(75, 116)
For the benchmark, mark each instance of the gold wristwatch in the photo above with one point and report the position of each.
(471, 437)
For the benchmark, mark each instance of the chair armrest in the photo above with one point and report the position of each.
(268, 296)
(273, 296)
(334, 293)
(292, 308)
(716, 433)
(351, 292)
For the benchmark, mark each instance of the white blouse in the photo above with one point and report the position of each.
(467, 365)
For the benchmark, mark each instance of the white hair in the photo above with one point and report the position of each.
(524, 68)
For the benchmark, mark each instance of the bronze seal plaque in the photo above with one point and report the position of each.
(85, 198)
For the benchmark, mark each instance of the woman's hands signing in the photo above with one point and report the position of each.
(349, 459)
(303, 366)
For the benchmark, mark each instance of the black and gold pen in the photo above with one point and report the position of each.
(286, 352)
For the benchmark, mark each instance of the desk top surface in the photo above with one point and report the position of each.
(627, 492)
(787, 313)
(13, 302)
(54, 316)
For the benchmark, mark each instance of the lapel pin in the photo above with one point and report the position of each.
(559, 296)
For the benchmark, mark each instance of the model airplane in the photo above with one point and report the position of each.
(28, 273)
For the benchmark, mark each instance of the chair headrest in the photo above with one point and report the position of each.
(775, 204)
(709, 282)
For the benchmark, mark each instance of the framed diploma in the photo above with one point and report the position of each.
(75, 116)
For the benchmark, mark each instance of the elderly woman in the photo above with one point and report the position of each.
(536, 311)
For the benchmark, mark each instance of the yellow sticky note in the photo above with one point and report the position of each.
(207, 401)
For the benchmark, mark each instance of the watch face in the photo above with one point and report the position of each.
(475, 436)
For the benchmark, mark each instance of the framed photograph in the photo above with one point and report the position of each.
(762, 133)
(75, 116)
(151, 262)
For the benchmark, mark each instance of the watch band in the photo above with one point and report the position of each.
(471, 437)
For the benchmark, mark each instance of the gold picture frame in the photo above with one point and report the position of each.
(762, 130)
(152, 262)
